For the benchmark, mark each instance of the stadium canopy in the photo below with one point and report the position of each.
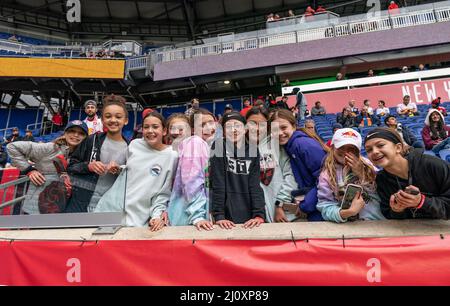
(160, 22)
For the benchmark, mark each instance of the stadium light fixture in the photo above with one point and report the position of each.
(226, 82)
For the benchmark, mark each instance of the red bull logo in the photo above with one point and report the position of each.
(349, 134)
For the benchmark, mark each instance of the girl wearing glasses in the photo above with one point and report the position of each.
(236, 194)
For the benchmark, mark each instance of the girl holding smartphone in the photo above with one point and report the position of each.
(343, 166)
(411, 184)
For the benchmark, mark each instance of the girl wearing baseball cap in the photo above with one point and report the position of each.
(411, 184)
(49, 163)
(344, 165)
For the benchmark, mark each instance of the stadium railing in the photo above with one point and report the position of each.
(306, 31)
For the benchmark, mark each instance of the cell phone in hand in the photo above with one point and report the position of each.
(350, 192)
(411, 191)
(290, 207)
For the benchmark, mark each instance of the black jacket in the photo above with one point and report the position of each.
(84, 181)
(235, 191)
(346, 122)
(431, 175)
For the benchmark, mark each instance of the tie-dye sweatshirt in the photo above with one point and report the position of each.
(189, 200)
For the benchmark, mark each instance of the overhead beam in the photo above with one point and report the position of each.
(188, 14)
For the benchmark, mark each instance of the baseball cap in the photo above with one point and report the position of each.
(90, 102)
(346, 136)
(146, 111)
(228, 106)
(233, 116)
(436, 101)
(77, 123)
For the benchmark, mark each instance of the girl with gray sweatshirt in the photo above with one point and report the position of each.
(151, 167)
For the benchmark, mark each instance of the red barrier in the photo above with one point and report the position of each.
(421, 93)
(382, 261)
(7, 175)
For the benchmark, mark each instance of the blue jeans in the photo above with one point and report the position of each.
(444, 144)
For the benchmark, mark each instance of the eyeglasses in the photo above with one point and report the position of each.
(234, 126)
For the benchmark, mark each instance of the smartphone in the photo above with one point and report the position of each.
(350, 193)
(290, 207)
(411, 191)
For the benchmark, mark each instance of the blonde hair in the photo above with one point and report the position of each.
(329, 166)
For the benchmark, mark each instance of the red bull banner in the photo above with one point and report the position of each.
(372, 262)
(420, 92)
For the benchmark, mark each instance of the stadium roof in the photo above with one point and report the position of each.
(160, 21)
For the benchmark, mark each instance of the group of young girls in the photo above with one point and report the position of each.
(263, 169)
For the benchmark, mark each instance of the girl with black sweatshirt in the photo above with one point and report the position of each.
(411, 184)
(235, 192)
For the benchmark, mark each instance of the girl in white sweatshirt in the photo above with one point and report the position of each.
(151, 167)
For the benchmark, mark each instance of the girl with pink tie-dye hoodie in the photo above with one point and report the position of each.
(189, 203)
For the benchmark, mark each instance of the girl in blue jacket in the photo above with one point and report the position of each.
(306, 156)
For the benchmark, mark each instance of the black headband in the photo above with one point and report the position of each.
(384, 134)
(233, 116)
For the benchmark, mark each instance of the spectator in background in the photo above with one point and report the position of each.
(421, 67)
(3, 157)
(346, 119)
(393, 8)
(93, 122)
(310, 126)
(309, 12)
(15, 136)
(369, 108)
(283, 103)
(28, 136)
(286, 83)
(370, 73)
(318, 110)
(404, 132)
(382, 110)
(336, 126)
(353, 110)
(436, 134)
(270, 18)
(291, 14)
(228, 109)
(320, 9)
(247, 107)
(276, 17)
(57, 121)
(13, 38)
(435, 104)
(301, 103)
(407, 109)
(259, 103)
(365, 119)
(193, 106)
(405, 69)
(339, 76)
